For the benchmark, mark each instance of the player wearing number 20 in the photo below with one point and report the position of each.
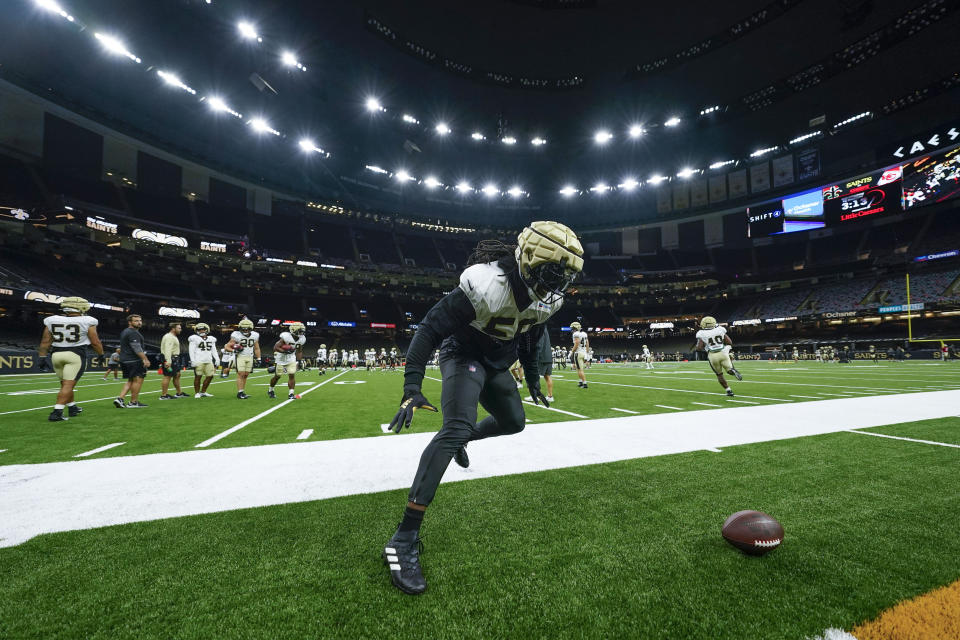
(715, 340)
(66, 336)
(495, 316)
(245, 345)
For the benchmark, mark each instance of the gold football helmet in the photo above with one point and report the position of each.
(297, 329)
(549, 257)
(246, 326)
(575, 326)
(708, 322)
(74, 304)
(202, 328)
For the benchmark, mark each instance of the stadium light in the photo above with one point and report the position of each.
(410, 119)
(431, 182)
(375, 168)
(760, 152)
(490, 190)
(442, 128)
(373, 105)
(403, 176)
(722, 163)
(476, 135)
(464, 187)
(307, 145)
(686, 172)
(262, 126)
(602, 137)
(515, 191)
(629, 184)
(217, 104)
(709, 110)
(805, 137)
(672, 122)
(248, 31)
(113, 45)
(290, 60)
(859, 116)
(509, 140)
(538, 141)
(600, 187)
(174, 81)
(657, 179)
(568, 190)
(635, 131)
(54, 7)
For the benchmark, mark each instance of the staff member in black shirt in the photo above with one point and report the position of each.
(133, 363)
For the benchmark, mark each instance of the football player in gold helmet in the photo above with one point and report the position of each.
(494, 317)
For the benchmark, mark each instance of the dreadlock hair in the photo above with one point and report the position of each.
(494, 251)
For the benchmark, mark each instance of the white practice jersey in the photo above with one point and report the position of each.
(321, 354)
(227, 356)
(289, 358)
(582, 349)
(333, 355)
(497, 315)
(244, 344)
(203, 350)
(713, 338)
(69, 331)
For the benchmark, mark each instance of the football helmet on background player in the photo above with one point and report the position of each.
(202, 328)
(74, 304)
(297, 329)
(708, 322)
(549, 257)
(575, 326)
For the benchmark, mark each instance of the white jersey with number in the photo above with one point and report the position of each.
(321, 354)
(289, 358)
(488, 289)
(69, 331)
(244, 344)
(202, 350)
(582, 348)
(712, 338)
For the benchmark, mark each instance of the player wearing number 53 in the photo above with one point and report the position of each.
(495, 316)
(66, 337)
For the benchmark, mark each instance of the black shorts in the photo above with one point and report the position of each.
(546, 368)
(133, 369)
(113, 366)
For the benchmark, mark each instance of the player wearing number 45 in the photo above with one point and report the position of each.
(245, 345)
(286, 353)
(718, 344)
(495, 316)
(203, 358)
(66, 336)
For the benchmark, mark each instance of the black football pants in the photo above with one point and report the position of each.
(466, 383)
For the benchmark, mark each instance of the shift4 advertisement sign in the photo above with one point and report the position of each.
(872, 195)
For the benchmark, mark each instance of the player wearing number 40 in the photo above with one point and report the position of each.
(66, 337)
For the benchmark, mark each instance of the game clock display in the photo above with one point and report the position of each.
(872, 195)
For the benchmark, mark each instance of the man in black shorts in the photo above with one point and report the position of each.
(133, 363)
(113, 364)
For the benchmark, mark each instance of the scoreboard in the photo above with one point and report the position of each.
(873, 195)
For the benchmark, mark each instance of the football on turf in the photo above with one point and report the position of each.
(753, 532)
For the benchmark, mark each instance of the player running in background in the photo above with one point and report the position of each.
(203, 358)
(244, 344)
(494, 316)
(226, 361)
(516, 370)
(819, 354)
(370, 358)
(647, 357)
(579, 352)
(322, 359)
(717, 343)
(113, 364)
(66, 337)
(545, 364)
(332, 360)
(286, 352)
(796, 355)
(170, 366)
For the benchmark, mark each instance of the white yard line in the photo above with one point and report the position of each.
(706, 404)
(2, 450)
(223, 434)
(709, 393)
(741, 401)
(624, 410)
(569, 413)
(666, 406)
(83, 494)
(713, 449)
(842, 395)
(306, 433)
(749, 380)
(98, 450)
(808, 397)
(142, 393)
(883, 435)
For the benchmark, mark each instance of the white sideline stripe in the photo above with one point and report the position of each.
(237, 427)
(810, 397)
(709, 393)
(98, 450)
(569, 413)
(142, 393)
(97, 492)
(625, 410)
(834, 634)
(706, 404)
(883, 435)
(742, 401)
(714, 449)
(306, 433)
(666, 406)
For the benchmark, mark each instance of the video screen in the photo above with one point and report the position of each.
(765, 219)
(803, 211)
(873, 195)
(931, 179)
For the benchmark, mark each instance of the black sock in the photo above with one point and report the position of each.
(412, 519)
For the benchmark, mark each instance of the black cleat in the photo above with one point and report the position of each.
(182, 395)
(119, 403)
(74, 411)
(402, 557)
(136, 405)
(736, 374)
(461, 457)
(56, 416)
(271, 393)
(166, 397)
(730, 392)
(242, 395)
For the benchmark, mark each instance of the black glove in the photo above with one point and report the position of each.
(412, 400)
(43, 363)
(533, 385)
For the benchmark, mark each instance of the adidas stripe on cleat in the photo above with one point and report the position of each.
(402, 557)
